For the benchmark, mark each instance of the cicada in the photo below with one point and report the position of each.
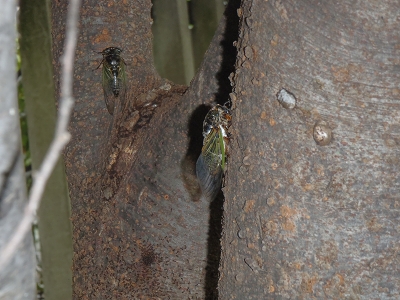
(211, 164)
(114, 77)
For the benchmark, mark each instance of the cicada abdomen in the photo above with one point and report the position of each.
(114, 77)
(210, 166)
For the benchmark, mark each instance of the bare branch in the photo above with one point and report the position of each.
(61, 138)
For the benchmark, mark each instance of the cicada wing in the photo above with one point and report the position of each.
(122, 84)
(109, 97)
(110, 101)
(209, 169)
(210, 183)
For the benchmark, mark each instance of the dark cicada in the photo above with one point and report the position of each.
(114, 78)
(210, 166)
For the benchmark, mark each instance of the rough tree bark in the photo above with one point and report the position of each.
(300, 220)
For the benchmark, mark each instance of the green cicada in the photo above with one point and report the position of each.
(210, 166)
(114, 78)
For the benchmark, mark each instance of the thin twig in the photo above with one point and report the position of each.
(61, 137)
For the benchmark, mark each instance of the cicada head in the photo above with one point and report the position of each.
(111, 51)
(217, 116)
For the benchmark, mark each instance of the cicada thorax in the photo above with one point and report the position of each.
(114, 78)
(211, 163)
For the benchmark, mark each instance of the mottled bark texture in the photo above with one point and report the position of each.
(141, 229)
(303, 221)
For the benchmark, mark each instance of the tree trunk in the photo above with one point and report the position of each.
(300, 219)
(141, 229)
(307, 216)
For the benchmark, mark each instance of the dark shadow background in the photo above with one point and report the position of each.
(224, 89)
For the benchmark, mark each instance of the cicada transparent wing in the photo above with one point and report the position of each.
(109, 96)
(119, 85)
(114, 77)
(210, 166)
